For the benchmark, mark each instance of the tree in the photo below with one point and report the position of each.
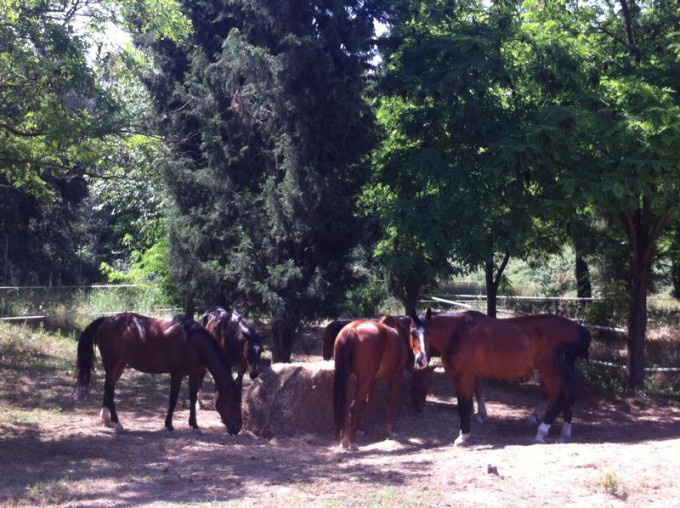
(462, 110)
(638, 150)
(264, 111)
(70, 114)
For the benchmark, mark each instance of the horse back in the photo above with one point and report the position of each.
(514, 347)
(378, 351)
(145, 344)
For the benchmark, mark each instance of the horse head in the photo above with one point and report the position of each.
(417, 339)
(251, 340)
(228, 405)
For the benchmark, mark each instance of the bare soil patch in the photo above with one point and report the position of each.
(56, 452)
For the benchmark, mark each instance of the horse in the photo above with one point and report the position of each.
(421, 380)
(477, 346)
(240, 341)
(178, 345)
(372, 351)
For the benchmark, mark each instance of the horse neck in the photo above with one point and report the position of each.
(443, 331)
(214, 360)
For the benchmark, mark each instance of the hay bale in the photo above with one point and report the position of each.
(292, 399)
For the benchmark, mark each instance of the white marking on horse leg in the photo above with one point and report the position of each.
(462, 439)
(543, 430)
(481, 410)
(105, 415)
(565, 435)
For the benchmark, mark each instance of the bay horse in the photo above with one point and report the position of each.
(421, 380)
(476, 346)
(178, 345)
(241, 342)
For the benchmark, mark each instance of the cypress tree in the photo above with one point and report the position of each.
(264, 111)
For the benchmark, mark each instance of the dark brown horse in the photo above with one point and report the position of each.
(179, 346)
(476, 346)
(372, 351)
(421, 380)
(238, 338)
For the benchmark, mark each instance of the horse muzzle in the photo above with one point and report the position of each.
(421, 362)
(233, 429)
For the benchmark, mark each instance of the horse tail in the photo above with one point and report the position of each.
(343, 362)
(566, 361)
(85, 359)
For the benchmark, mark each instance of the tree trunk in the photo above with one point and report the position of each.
(491, 289)
(493, 281)
(411, 295)
(642, 230)
(675, 266)
(283, 340)
(583, 287)
(189, 305)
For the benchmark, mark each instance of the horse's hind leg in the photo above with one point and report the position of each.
(108, 414)
(560, 402)
(481, 404)
(355, 409)
(464, 393)
(175, 383)
(567, 414)
(365, 408)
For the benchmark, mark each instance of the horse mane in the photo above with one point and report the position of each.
(193, 328)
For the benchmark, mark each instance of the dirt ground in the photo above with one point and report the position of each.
(624, 452)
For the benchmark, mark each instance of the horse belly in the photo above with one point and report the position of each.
(155, 358)
(499, 367)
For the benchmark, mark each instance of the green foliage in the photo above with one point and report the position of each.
(264, 113)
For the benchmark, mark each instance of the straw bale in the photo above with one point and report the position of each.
(291, 399)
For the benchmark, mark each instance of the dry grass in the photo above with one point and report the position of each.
(57, 453)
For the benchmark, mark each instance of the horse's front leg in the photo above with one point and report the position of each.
(194, 382)
(394, 390)
(175, 383)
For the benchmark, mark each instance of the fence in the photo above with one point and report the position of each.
(32, 303)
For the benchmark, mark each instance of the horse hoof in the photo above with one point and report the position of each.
(105, 416)
(118, 428)
(196, 430)
(480, 419)
(392, 436)
(532, 420)
(462, 440)
(563, 439)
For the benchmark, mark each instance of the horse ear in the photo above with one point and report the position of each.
(428, 314)
(413, 315)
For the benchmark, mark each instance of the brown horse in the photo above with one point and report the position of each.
(179, 346)
(477, 346)
(240, 341)
(372, 351)
(421, 380)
